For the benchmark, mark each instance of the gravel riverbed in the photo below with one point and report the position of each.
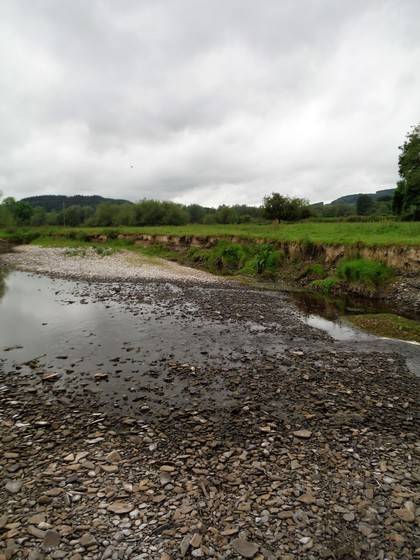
(88, 265)
(214, 423)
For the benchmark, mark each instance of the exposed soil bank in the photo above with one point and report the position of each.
(402, 295)
(5, 246)
(400, 258)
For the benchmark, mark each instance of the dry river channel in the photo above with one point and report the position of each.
(152, 412)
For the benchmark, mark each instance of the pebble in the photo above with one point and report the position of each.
(245, 548)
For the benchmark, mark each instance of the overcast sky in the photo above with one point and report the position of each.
(219, 101)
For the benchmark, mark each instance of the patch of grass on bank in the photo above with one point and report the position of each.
(364, 271)
(363, 275)
(247, 259)
(388, 325)
(315, 271)
(325, 285)
(332, 233)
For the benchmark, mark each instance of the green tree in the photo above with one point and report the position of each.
(53, 218)
(73, 215)
(6, 215)
(364, 205)
(39, 216)
(407, 195)
(175, 214)
(104, 214)
(196, 213)
(226, 215)
(278, 207)
(21, 211)
(126, 215)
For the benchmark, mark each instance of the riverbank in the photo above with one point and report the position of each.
(376, 261)
(223, 427)
(361, 233)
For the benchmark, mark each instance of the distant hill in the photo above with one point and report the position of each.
(56, 201)
(352, 198)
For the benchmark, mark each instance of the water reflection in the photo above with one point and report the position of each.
(311, 303)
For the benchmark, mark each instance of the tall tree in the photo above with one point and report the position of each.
(278, 207)
(407, 195)
(364, 205)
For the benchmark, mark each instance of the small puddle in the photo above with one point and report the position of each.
(333, 315)
(337, 329)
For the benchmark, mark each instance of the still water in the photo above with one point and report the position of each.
(46, 324)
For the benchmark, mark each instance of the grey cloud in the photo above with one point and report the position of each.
(209, 102)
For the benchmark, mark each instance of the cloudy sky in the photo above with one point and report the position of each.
(213, 102)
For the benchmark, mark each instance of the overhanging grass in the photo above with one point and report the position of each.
(368, 234)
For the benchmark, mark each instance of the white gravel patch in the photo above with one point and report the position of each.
(121, 265)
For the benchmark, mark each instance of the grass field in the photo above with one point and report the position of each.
(366, 233)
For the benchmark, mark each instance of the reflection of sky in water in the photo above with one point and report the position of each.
(336, 329)
(29, 302)
(97, 332)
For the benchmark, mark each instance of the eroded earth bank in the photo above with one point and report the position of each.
(153, 412)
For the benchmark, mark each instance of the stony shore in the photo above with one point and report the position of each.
(89, 265)
(291, 446)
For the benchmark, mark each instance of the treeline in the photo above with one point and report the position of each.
(143, 213)
(406, 201)
(365, 205)
(276, 207)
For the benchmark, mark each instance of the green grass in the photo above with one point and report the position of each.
(315, 271)
(364, 271)
(364, 233)
(247, 259)
(389, 325)
(364, 274)
(325, 285)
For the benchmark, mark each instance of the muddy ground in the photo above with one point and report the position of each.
(232, 429)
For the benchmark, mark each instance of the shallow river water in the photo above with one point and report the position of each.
(48, 326)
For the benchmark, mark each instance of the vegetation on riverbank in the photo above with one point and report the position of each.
(357, 275)
(260, 260)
